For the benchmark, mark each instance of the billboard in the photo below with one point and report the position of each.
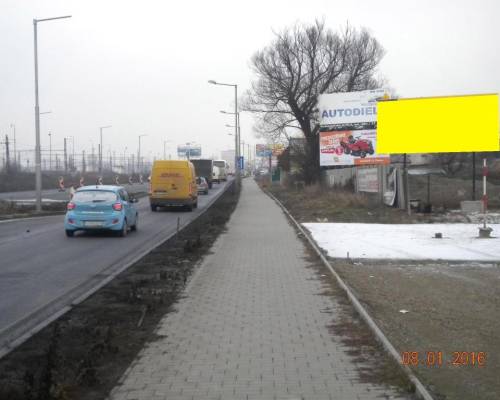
(348, 124)
(356, 147)
(188, 150)
(439, 124)
(267, 150)
(263, 150)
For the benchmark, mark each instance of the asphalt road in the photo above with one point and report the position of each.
(54, 194)
(42, 271)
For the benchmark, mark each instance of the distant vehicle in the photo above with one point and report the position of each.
(101, 208)
(219, 174)
(224, 166)
(202, 184)
(204, 168)
(173, 183)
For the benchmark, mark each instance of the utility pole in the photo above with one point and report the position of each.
(84, 165)
(50, 151)
(7, 154)
(139, 154)
(473, 176)
(13, 126)
(65, 157)
(101, 148)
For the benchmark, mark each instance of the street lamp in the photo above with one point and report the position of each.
(236, 136)
(100, 147)
(50, 151)
(139, 153)
(42, 113)
(13, 126)
(38, 156)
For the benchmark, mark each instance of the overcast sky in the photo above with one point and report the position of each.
(143, 66)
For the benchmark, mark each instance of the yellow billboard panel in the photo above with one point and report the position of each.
(438, 124)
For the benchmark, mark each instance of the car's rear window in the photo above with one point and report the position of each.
(94, 196)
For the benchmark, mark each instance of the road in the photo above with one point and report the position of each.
(54, 194)
(42, 271)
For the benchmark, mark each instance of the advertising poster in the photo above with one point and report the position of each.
(262, 150)
(367, 180)
(348, 124)
(350, 148)
(184, 151)
(266, 150)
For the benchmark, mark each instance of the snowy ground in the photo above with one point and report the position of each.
(406, 241)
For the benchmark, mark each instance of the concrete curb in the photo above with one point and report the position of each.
(420, 389)
(7, 344)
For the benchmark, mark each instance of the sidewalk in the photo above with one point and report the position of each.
(250, 325)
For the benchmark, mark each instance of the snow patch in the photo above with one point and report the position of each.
(406, 241)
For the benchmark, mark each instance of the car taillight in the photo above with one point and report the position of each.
(71, 206)
(117, 206)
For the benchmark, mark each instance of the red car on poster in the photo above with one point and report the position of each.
(357, 147)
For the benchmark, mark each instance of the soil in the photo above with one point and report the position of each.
(83, 354)
(451, 307)
(373, 364)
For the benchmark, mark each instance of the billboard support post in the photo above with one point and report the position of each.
(473, 175)
(406, 189)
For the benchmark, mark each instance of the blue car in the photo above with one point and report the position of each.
(101, 207)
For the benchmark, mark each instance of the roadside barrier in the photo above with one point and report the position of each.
(61, 184)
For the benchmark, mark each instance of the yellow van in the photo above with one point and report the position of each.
(173, 183)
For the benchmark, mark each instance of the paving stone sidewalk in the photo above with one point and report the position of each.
(250, 325)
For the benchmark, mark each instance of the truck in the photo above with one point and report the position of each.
(224, 166)
(204, 168)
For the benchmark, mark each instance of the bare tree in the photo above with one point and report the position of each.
(301, 63)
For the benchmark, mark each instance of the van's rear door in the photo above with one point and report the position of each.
(171, 183)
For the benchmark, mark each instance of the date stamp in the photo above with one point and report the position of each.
(440, 359)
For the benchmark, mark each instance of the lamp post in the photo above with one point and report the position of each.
(38, 156)
(236, 138)
(238, 127)
(13, 126)
(66, 163)
(43, 113)
(100, 147)
(139, 154)
(50, 151)
(124, 162)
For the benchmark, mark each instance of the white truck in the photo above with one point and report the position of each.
(219, 174)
